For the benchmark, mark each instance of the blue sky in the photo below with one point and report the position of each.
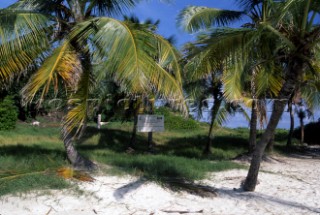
(166, 13)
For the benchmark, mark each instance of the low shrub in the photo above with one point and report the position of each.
(173, 120)
(8, 114)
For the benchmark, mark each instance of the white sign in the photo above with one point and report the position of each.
(150, 123)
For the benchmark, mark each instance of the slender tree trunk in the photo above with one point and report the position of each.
(252, 176)
(270, 144)
(137, 111)
(302, 131)
(253, 126)
(133, 139)
(215, 109)
(150, 106)
(294, 72)
(289, 141)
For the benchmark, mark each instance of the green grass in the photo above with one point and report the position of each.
(30, 156)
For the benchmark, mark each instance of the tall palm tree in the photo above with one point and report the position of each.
(288, 39)
(83, 33)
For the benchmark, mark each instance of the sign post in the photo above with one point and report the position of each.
(150, 123)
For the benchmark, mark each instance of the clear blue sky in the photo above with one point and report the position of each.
(166, 13)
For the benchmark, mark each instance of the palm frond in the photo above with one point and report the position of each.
(23, 40)
(138, 59)
(213, 50)
(194, 18)
(269, 80)
(233, 82)
(62, 63)
(79, 105)
(109, 7)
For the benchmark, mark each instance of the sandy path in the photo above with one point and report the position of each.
(290, 186)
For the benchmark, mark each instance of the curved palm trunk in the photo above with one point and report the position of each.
(289, 141)
(253, 127)
(77, 161)
(295, 69)
(73, 155)
(215, 109)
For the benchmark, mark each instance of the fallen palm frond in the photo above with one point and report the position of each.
(64, 172)
(69, 173)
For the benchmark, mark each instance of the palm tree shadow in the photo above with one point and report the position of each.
(114, 139)
(240, 194)
(126, 189)
(24, 151)
(192, 147)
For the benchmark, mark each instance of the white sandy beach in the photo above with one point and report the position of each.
(287, 186)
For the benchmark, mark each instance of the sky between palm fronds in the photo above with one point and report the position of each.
(166, 13)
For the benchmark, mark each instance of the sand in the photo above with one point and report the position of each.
(286, 186)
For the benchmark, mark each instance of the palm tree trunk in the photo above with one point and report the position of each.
(302, 131)
(215, 109)
(289, 141)
(253, 126)
(270, 144)
(251, 180)
(133, 139)
(294, 72)
(150, 107)
(76, 160)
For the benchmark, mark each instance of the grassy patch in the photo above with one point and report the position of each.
(33, 154)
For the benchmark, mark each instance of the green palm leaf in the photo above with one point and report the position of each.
(193, 18)
(22, 40)
(62, 63)
(138, 59)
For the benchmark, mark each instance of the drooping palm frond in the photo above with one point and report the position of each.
(63, 63)
(269, 80)
(193, 18)
(233, 82)
(23, 39)
(138, 59)
(214, 49)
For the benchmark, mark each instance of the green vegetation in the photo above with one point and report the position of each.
(8, 114)
(175, 120)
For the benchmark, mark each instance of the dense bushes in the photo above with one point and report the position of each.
(175, 120)
(311, 133)
(8, 114)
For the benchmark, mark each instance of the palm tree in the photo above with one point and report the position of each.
(203, 83)
(286, 41)
(83, 34)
